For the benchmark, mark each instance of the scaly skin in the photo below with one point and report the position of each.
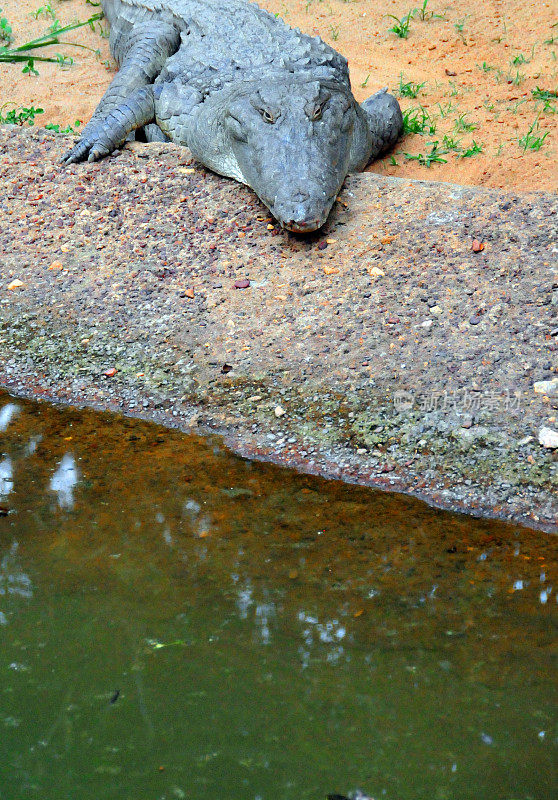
(252, 98)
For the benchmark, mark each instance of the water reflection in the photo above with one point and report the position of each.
(65, 480)
(32, 445)
(331, 632)
(13, 581)
(7, 413)
(270, 635)
(6, 477)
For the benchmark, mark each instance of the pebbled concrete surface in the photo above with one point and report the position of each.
(382, 350)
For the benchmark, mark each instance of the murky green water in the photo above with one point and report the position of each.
(269, 635)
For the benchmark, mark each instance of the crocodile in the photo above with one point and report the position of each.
(252, 98)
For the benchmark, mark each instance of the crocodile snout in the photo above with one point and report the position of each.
(298, 213)
(304, 226)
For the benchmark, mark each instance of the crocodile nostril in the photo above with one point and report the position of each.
(300, 197)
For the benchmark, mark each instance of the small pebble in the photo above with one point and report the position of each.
(243, 283)
(548, 438)
(549, 388)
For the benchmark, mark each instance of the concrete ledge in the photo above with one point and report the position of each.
(383, 350)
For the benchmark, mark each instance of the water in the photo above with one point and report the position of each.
(176, 622)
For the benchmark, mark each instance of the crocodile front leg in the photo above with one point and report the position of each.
(137, 110)
(379, 126)
(128, 102)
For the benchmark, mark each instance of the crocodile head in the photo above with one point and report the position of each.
(291, 142)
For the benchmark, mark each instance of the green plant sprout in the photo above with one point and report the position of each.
(516, 79)
(46, 11)
(547, 96)
(553, 39)
(432, 157)
(459, 26)
(461, 124)
(472, 151)
(55, 126)
(531, 141)
(19, 115)
(516, 105)
(29, 68)
(417, 120)
(409, 89)
(401, 26)
(5, 30)
(452, 144)
(426, 15)
(334, 30)
(544, 94)
(446, 110)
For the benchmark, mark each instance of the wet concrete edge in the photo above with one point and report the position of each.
(42, 329)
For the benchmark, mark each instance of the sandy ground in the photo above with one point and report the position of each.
(478, 64)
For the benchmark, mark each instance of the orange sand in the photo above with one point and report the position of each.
(496, 98)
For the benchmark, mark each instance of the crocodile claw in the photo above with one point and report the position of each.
(77, 153)
(83, 149)
(89, 148)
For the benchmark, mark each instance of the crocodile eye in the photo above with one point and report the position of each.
(267, 116)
